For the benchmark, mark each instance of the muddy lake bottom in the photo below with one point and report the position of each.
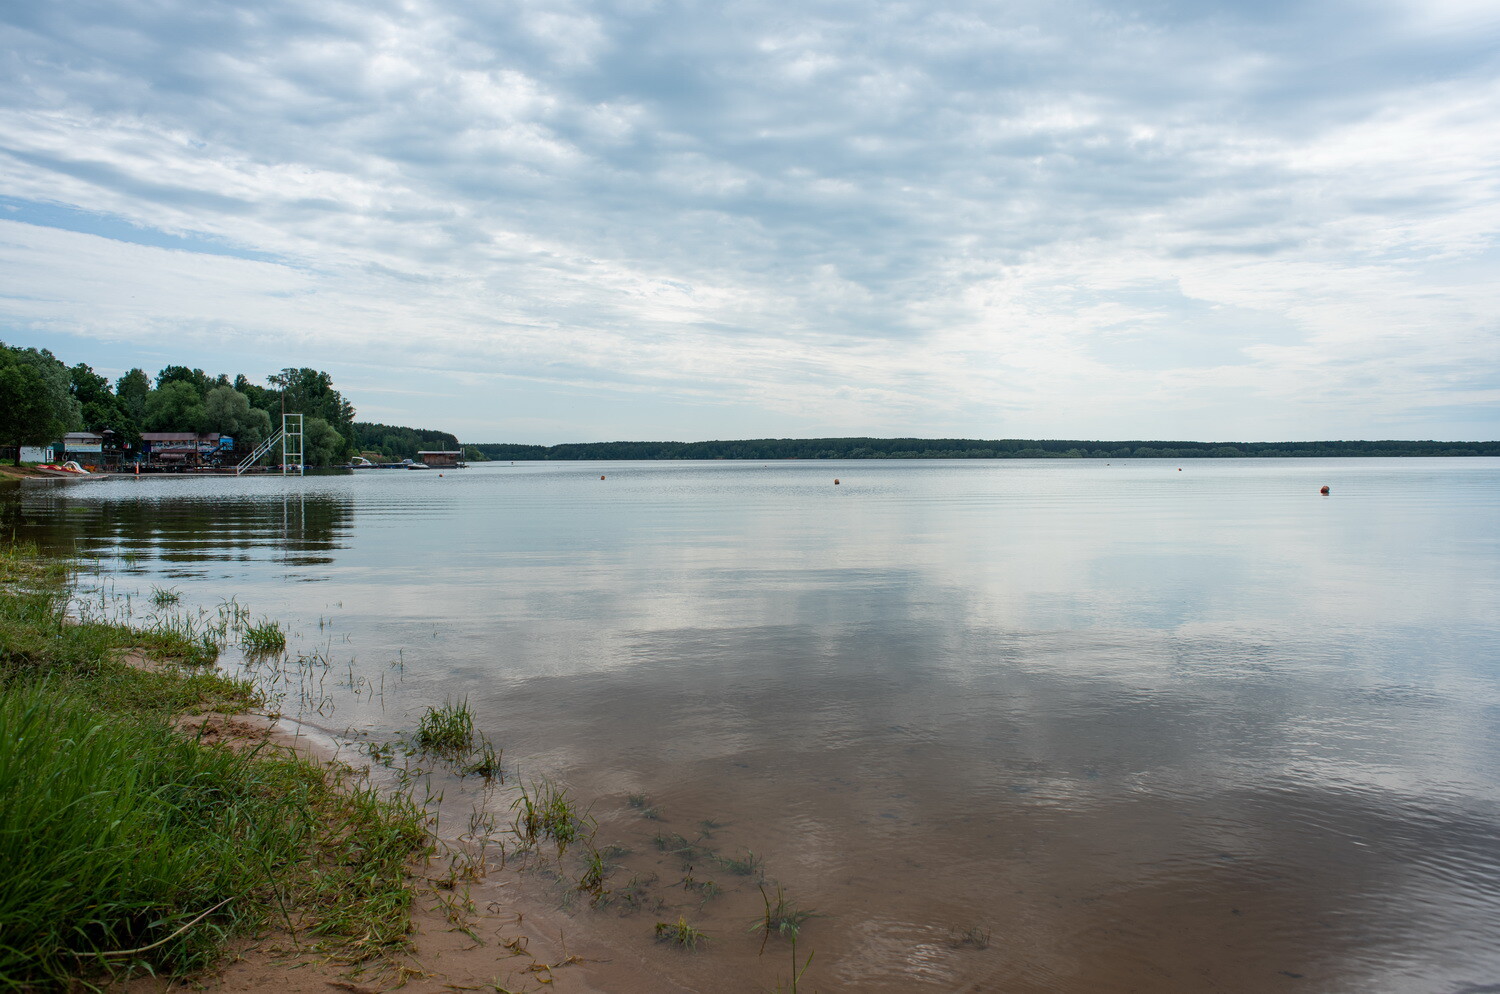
(1002, 726)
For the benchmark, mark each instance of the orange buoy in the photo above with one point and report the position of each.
(1324, 491)
(835, 481)
(601, 476)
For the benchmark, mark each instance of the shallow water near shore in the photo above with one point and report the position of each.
(1013, 726)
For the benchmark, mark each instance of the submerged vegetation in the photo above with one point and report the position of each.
(680, 933)
(782, 917)
(545, 811)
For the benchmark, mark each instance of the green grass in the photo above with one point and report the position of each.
(706, 889)
(782, 917)
(447, 730)
(545, 811)
(748, 865)
(164, 596)
(263, 637)
(130, 846)
(596, 870)
(686, 850)
(487, 761)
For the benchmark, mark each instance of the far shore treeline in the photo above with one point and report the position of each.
(41, 398)
(969, 448)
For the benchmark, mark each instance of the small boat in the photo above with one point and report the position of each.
(410, 464)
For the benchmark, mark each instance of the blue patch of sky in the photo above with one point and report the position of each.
(67, 218)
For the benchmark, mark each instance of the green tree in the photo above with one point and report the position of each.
(101, 409)
(266, 399)
(131, 390)
(311, 392)
(175, 407)
(36, 406)
(196, 378)
(228, 411)
(322, 445)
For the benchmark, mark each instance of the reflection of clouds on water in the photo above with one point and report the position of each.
(1176, 809)
(1154, 725)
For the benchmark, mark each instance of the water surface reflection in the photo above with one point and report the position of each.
(1148, 729)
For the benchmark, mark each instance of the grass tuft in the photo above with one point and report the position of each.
(263, 638)
(487, 761)
(782, 917)
(680, 933)
(642, 803)
(447, 730)
(748, 865)
(686, 850)
(545, 811)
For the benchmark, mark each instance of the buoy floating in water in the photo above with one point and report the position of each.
(1324, 491)
(601, 476)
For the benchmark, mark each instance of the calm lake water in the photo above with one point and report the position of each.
(1145, 729)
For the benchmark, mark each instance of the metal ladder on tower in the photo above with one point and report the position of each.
(291, 443)
(290, 438)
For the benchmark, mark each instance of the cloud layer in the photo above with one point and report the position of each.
(618, 219)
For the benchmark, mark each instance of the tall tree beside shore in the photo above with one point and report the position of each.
(36, 406)
(310, 392)
(322, 445)
(228, 411)
(131, 391)
(101, 407)
(195, 378)
(175, 406)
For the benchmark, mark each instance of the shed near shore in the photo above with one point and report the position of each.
(442, 458)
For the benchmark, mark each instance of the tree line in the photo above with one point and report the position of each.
(969, 448)
(41, 399)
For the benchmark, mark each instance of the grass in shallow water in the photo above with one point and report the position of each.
(130, 845)
(447, 730)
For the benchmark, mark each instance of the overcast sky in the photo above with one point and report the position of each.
(629, 219)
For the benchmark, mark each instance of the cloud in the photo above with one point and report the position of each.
(906, 219)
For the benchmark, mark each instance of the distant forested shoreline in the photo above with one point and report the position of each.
(969, 448)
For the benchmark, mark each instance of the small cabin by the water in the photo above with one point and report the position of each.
(91, 449)
(442, 458)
